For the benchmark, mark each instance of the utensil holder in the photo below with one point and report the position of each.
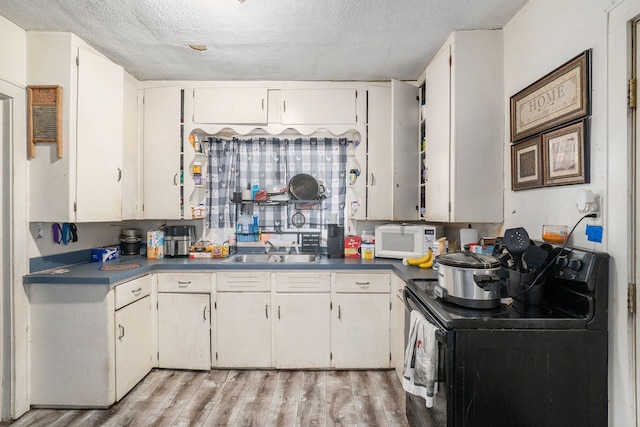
(519, 287)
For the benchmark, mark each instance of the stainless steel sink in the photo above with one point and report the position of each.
(275, 257)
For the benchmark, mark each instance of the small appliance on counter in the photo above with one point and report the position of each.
(178, 239)
(130, 239)
(405, 240)
(468, 279)
(335, 241)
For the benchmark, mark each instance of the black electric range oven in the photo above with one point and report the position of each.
(521, 365)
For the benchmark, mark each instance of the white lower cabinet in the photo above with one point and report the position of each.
(184, 331)
(184, 320)
(79, 354)
(302, 320)
(243, 320)
(360, 321)
(133, 335)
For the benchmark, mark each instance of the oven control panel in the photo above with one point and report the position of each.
(577, 266)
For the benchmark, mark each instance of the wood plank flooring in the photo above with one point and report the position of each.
(244, 398)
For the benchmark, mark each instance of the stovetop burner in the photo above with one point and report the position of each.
(575, 297)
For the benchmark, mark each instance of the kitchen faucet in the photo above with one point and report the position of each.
(267, 245)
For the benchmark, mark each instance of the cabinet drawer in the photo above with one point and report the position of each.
(363, 283)
(303, 282)
(243, 282)
(185, 282)
(134, 290)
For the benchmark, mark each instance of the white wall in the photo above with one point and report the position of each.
(15, 314)
(542, 36)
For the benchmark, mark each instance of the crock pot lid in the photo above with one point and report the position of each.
(468, 260)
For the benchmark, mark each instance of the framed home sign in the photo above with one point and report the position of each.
(526, 164)
(559, 97)
(565, 155)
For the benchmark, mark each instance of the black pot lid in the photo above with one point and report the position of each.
(464, 259)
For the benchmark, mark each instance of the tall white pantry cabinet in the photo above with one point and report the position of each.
(464, 104)
(85, 185)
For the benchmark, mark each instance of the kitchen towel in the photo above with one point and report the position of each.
(421, 359)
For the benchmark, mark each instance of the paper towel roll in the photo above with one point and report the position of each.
(467, 236)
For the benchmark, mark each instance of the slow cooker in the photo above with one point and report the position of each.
(468, 279)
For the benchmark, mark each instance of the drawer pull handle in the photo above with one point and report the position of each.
(363, 284)
(183, 284)
(136, 292)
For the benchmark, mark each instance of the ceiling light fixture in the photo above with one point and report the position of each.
(198, 47)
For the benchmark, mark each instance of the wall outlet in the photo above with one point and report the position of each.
(39, 231)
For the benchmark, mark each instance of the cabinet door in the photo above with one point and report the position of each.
(243, 329)
(133, 344)
(302, 331)
(379, 154)
(392, 169)
(476, 190)
(132, 153)
(184, 328)
(318, 106)
(230, 105)
(437, 122)
(404, 134)
(100, 139)
(360, 321)
(161, 152)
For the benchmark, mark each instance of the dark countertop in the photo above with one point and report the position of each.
(126, 268)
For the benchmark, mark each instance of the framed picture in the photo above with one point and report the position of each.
(565, 155)
(526, 164)
(559, 97)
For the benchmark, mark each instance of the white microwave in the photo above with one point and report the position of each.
(405, 240)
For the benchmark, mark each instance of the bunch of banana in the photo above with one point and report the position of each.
(425, 261)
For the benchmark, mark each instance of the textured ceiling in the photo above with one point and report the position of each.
(264, 39)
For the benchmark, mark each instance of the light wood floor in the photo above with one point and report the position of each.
(245, 398)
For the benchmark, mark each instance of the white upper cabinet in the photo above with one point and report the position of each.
(162, 149)
(464, 125)
(100, 136)
(85, 185)
(318, 106)
(392, 170)
(132, 151)
(230, 105)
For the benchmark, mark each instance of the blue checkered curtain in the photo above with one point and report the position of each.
(262, 161)
(326, 160)
(220, 167)
(270, 162)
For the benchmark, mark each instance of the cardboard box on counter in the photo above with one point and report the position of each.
(108, 253)
(155, 244)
